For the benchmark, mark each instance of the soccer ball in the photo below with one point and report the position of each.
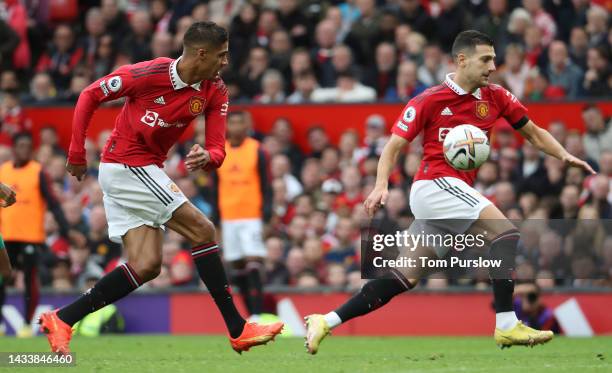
(466, 147)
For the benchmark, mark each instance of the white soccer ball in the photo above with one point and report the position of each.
(466, 147)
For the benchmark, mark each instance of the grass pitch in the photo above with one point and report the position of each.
(176, 354)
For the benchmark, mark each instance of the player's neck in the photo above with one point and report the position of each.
(185, 72)
(463, 83)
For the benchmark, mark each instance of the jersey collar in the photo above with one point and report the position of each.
(458, 90)
(175, 79)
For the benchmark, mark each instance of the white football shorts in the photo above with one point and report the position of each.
(444, 205)
(242, 238)
(135, 196)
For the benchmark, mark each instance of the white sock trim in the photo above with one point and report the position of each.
(332, 319)
(505, 320)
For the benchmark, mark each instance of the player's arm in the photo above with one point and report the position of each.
(5, 263)
(543, 140)
(213, 154)
(407, 126)
(388, 159)
(118, 84)
(265, 183)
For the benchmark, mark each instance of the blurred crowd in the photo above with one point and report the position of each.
(291, 51)
(312, 235)
(307, 51)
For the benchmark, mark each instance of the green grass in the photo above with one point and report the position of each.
(176, 354)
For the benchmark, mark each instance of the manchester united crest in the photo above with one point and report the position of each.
(482, 109)
(196, 105)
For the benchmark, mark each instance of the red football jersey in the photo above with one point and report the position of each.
(157, 110)
(441, 108)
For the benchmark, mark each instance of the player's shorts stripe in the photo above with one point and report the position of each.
(159, 187)
(459, 191)
(155, 193)
(453, 192)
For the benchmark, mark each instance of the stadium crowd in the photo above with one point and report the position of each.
(354, 51)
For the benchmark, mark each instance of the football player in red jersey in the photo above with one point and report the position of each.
(162, 97)
(441, 192)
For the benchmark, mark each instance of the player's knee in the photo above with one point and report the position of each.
(148, 268)
(204, 231)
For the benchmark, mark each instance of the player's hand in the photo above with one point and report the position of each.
(76, 170)
(572, 161)
(7, 195)
(197, 158)
(377, 199)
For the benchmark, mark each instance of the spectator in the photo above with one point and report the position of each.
(495, 24)
(375, 136)
(295, 264)
(95, 27)
(61, 58)
(562, 72)
(17, 19)
(515, 70)
(294, 21)
(9, 81)
(348, 89)
(414, 15)
(434, 68)
(12, 116)
(383, 74)
(280, 168)
(115, 19)
(342, 26)
(161, 45)
(450, 22)
(578, 47)
(598, 136)
(160, 15)
(104, 60)
(365, 32)
(276, 271)
(342, 61)
(137, 43)
(280, 54)
(266, 25)
(530, 309)
(597, 25)
(282, 130)
(253, 71)
(272, 88)
(242, 33)
(318, 141)
(597, 80)
(325, 40)
(542, 20)
(519, 21)
(305, 84)
(407, 84)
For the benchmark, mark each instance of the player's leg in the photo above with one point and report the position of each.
(504, 238)
(233, 254)
(32, 286)
(188, 221)
(251, 241)
(372, 296)
(5, 273)
(143, 246)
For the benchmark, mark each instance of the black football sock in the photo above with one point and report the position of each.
(504, 248)
(115, 285)
(373, 295)
(210, 268)
(253, 272)
(240, 280)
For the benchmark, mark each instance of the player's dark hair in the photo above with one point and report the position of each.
(22, 135)
(467, 41)
(201, 33)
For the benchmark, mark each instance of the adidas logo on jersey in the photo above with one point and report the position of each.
(446, 111)
(160, 100)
